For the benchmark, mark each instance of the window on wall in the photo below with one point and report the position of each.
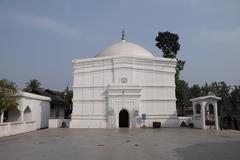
(198, 108)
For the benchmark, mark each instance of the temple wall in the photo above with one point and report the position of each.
(93, 78)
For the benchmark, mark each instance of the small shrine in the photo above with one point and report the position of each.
(205, 112)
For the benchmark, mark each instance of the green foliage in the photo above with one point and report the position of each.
(68, 95)
(32, 85)
(220, 89)
(194, 91)
(179, 68)
(8, 95)
(182, 95)
(168, 43)
(205, 90)
(235, 98)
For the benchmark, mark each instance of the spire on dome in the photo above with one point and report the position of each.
(123, 39)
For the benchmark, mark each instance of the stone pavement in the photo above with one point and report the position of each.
(122, 144)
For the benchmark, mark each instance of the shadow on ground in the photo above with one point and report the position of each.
(227, 150)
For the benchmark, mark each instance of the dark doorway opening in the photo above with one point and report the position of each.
(123, 119)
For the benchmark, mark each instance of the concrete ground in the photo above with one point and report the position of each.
(122, 144)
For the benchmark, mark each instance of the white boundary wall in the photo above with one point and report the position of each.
(13, 128)
(186, 120)
(40, 113)
(58, 123)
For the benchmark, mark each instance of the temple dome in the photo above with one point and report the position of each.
(124, 48)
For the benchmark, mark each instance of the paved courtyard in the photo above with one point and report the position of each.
(122, 144)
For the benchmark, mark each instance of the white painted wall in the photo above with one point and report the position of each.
(39, 106)
(186, 120)
(13, 128)
(31, 114)
(27, 116)
(93, 78)
(58, 123)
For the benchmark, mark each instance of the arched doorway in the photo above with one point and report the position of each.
(209, 115)
(123, 119)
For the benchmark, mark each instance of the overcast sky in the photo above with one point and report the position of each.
(39, 39)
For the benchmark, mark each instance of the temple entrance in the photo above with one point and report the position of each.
(123, 119)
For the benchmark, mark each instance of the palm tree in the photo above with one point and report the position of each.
(32, 85)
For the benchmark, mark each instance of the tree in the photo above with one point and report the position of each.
(205, 90)
(235, 98)
(194, 91)
(179, 67)
(220, 89)
(8, 95)
(168, 43)
(182, 95)
(32, 85)
(68, 95)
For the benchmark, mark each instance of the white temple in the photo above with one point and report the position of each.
(123, 82)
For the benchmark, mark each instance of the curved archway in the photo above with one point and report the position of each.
(123, 119)
(209, 114)
(27, 114)
(198, 108)
(14, 115)
(211, 108)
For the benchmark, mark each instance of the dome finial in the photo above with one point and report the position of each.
(123, 39)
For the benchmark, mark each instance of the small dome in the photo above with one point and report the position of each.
(124, 48)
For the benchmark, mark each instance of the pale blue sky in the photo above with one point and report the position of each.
(38, 39)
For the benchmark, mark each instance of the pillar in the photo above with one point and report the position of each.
(22, 114)
(1, 117)
(194, 108)
(203, 115)
(216, 116)
(194, 112)
(21, 109)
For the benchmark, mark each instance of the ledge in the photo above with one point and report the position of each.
(29, 121)
(15, 123)
(3, 124)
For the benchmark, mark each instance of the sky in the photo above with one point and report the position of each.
(39, 39)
